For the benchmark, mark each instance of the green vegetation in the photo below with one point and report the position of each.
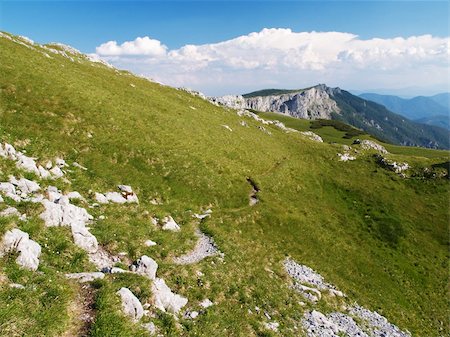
(381, 239)
(271, 92)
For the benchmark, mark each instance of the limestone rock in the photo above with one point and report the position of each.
(169, 224)
(165, 299)
(131, 306)
(101, 198)
(150, 243)
(115, 197)
(29, 250)
(146, 266)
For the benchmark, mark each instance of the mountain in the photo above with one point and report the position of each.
(433, 110)
(128, 207)
(442, 99)
(322, 102)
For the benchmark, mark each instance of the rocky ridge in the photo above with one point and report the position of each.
(313, 103)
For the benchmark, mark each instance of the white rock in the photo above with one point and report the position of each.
(193, 314)
(85, 277)
(10, 211)
(84, 239)
(43, 173)
(49, 165)
(146, 266)
(79, 166)
(24, 185)
(313, 136)
(56, 172)
(165, 299)
(60, 162)
(169, 224)
(150, 243)
(101, 198)
(125, 188)
(1, 199)
(10, 151)
(345, 157)
(206, 303)
(150, 327)
(272, 326)
(74, 195)
(26, 163)
(227, 127)
(131, 306)
(16, 286)
(115, 197)
(29, 250)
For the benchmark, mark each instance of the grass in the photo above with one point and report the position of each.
(380, 238)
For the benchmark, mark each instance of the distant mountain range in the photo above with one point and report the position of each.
(432, 110)
(322, 102)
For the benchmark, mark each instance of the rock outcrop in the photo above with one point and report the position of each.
(19, 241)
(313, 103)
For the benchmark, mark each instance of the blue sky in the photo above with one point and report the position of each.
(208, 45)
(86, 24)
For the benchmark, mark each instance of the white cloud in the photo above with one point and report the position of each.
(283, 58)
(143, 46)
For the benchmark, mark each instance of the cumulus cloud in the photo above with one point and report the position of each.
(143, 46)
(283, 58)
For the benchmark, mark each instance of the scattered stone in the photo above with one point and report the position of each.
(227, 127)
(272, 326)
(371, 145)
(10, 211)
(85, 277)
(313, 136)
(150, 243)
(150, 327)
(392, 165)
(206, 303)
(165, 299)
(345, 157)
(79, 166)
(1, 199)
(74, 195)
(101, 198)
(56, 172)
(205, 247)
(19, 241)
(16, 286)
(145, 266)
(131, 306)
(60, 162)
(169, 224)
(115, 197)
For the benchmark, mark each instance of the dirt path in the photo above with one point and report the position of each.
(82, 312)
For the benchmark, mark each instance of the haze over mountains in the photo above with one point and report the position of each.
(432, 110)
(322, 102)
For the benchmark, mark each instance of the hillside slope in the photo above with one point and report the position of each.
(378, 236)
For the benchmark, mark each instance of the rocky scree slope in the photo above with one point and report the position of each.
(193, 171)
(322, 102)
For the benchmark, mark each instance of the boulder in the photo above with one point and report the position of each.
(169, 224)
(150, 243)
(165, 299)
(84, 239)
(29, 250)
(101, 198)
(26, 163)
(145, 266)
(131, 306)
(56, 172)
(115, 197)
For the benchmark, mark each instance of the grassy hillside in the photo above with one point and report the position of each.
(380, 238)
